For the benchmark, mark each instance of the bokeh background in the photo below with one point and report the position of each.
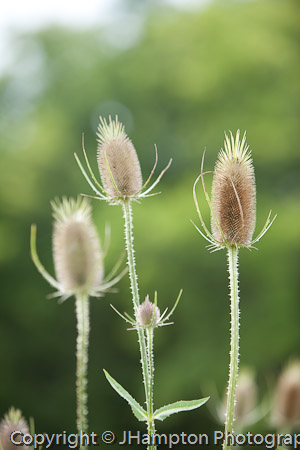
(177, 77)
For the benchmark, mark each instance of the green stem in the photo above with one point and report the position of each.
(151, 424)
(234, 342)
(83, 328)
(127, 210)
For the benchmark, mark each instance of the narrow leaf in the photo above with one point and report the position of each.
(137, 409)
(37, 262)
(173, 408)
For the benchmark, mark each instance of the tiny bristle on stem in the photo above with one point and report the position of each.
(234, 193)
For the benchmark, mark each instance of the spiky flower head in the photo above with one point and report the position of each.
(118, 162)
(12, 421)
(148, 314)
(76, 247)
(286, 412)
(233, 201)
(119, 166)
(234, 193)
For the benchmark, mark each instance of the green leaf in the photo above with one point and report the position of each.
(137, 409)
(173, 408)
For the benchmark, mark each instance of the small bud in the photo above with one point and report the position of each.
(233, 193)
(76, 246)
(12, 421)
(286, 413)
(145, 313)
(118, 163)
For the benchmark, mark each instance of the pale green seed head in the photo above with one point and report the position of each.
(76, 246)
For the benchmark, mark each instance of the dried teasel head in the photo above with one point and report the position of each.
(233, 193)
(76, 247)
(118, 162)
(286, 411)
(246, 410)
(12, 421)
(233, 201)
(119, 166)
(246, 396)
(78, 257)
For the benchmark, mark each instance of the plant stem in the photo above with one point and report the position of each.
(151, 424)
(234, 340)
(83, 328)
(127, 211)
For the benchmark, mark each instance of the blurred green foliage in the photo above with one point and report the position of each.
(188, 77)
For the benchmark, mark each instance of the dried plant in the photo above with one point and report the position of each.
(119, 166)
(121, 178)
(76, 247)
(78, 260)
(286, 410)
(233, 194)
(246, 398)
(232, 207)
(118, 162)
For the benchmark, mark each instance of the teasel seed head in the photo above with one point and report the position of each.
(246, 396)
(118, 162)
(76, 247)
(247, 411)
(286, 412)
(147, 314)
(234, 193)
(12, 421)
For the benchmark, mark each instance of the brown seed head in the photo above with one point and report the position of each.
(76, 246)
(233, 193)
(118, 163)
(246, 395)
(145, 313)
(286, 413)
(12, 421)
